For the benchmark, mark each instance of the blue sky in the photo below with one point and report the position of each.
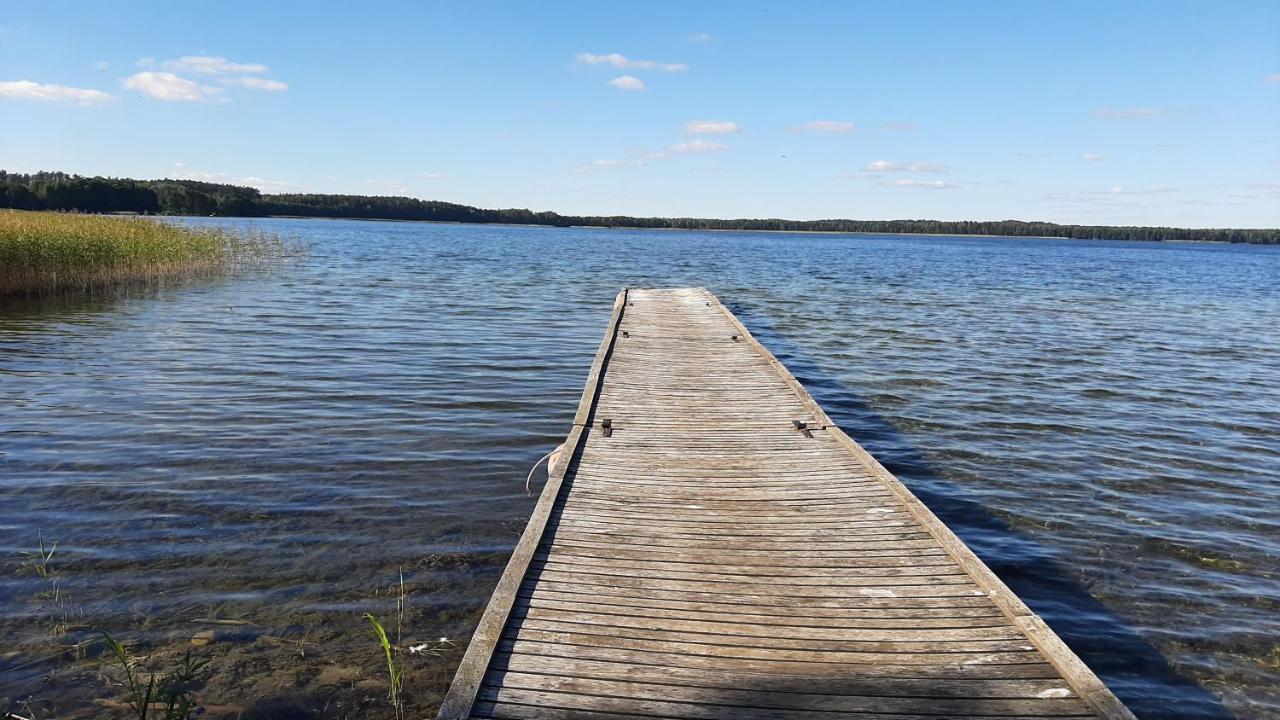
(1106, 112)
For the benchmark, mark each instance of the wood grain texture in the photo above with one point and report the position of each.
(703, 557)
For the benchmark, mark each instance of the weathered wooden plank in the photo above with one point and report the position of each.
(897, 567)
(543, 704)
(808, 633)
(750, 565)
(799, 573)
(881, 668)
(820, 643)
(967, 687)
(906, 539)
(793, 534)
(927, 586)
(861, 598)
(1001, 654)
(704, 558)
(934, 620)
(792, 695)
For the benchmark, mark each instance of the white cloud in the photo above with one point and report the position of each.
(623, 62)
(256, 83)
(826, 126)
(606, 164)
(922, 184)
(615, 59)
(712, 127)
(1273, 79)
(627, 82)
(1132, 112)
(28, 90)
(698, 146)
(883, 166)
(208, 65)
(1111, 197)
(167, 86)
(388, 187)
(267, 186)
(1117, 190)
(180, 171)
(700, 37)
(1093, 157)
(102, 66)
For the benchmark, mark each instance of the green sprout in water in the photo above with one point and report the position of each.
(394, 672)
(171, 696)
(39, 563)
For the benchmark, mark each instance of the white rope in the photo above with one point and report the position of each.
(529, 490)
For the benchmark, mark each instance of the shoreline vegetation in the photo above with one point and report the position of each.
(45, 253)
(61, 191)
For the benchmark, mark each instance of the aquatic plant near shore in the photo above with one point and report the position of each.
(171, 696)
(45, 252)
(51, 596)
(394, 671)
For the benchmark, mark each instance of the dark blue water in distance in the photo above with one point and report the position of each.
(263, 455)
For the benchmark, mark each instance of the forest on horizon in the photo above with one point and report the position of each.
(74, 193)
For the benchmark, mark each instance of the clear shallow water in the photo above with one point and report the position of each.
(263, 455)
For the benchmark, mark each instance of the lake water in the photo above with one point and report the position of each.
(263, 456)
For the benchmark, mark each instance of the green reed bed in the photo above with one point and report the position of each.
(47, 252)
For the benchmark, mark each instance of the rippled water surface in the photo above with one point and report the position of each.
(263, 456)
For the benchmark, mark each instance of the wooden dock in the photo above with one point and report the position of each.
(711, 545)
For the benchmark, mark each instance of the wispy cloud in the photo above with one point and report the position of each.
(1130, 112)
(210, 65)
(169, 87)
(388, 187)
(180, 171)
(1112, 197)
(102, 66)
(622, 62)
(1273, 79)
(1118, 190)
(608, 164)
(1092, 157)
(712, 127)
(919, 184)
(161, 80)
(28, 90)
(701, 37)
(265, 185)
(825, 126)
(627, 82)
(698, 146)
(255, 83)
(886, 166)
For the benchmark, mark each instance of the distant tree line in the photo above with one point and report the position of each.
(60, 191)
